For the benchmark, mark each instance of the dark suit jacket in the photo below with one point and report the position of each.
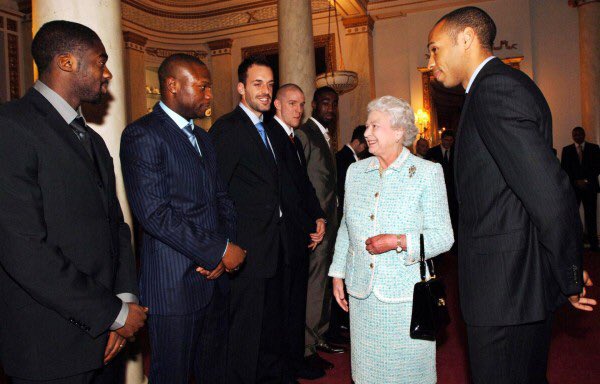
(435, 154)
(588, 169)
(343, 159)
(300, 204)
(64, 248)
(520, 244)
(183, 209)
(251, 176)
(321, 169)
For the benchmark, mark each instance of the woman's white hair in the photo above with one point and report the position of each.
(401, 115)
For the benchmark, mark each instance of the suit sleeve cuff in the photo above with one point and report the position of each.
(121, 317)
(413, 249)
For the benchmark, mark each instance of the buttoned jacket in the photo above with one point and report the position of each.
(408, 198)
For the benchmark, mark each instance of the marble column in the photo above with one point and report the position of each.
(135, 75)
(222, 83)
(296, 47)
(104, 17)
(358, 57)
(589, 58)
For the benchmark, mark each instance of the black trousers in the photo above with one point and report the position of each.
(190, 344)
(112, 373)
(516, 354)
(295, 286)
(589, 200)
(255, 343)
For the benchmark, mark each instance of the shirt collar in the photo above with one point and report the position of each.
(255, 119)
(582, 145)
(396, 165)
(289, 131)
(177, 118)
(62, 107)
(479, 67)
(321, 127)
(353, 151)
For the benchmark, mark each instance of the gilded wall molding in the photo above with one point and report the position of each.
(163, 53)
(203, 22)
(220, 47)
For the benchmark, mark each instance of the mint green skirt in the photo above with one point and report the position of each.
(382, 350)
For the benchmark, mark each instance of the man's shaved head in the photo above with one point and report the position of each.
(281, 92)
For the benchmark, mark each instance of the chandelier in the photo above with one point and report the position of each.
(341, 81)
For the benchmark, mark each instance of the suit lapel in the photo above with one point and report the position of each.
(169, 124)
(253, 133)
(54, 121)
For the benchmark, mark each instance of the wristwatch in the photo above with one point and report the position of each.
(398, 245)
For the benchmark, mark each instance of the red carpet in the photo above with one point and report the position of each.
(574, 354)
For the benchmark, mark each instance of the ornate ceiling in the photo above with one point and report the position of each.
(203, 20)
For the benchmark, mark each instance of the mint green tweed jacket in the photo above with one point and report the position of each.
(408, 198)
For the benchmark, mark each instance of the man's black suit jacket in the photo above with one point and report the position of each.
(588, 169)
(252, 177)
(64, 248)
(520, 236)
(300, 204)
(343, 159)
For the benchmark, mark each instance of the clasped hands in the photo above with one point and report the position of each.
(117, 339)
(383, 243)
(374, 245)
(232, 259)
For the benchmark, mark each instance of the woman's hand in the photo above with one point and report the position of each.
(383, 243)
(338, 293)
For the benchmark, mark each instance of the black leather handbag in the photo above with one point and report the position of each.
(429, 311)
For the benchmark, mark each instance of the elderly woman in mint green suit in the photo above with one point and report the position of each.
(391, 199)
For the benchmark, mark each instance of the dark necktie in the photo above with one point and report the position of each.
(292, 138)
(81, 130)
(446, 160)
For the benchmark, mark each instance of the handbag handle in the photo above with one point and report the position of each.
(423, 262)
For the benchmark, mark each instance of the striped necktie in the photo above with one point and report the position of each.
(189, 131)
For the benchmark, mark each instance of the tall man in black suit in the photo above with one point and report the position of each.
(251, 173)
(320, 160)
(443, 154)
(188, 223)
(581, 161)
(68, 274)
(305, 225)
(520, 253)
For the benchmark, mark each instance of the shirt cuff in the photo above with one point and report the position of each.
(121, 318)
(225, 250)
(125, 297)
(128, 298)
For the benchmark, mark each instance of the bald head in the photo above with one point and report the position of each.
(173, 64)
(289, 104)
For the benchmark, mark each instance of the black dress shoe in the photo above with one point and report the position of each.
(337, 339)
(315, 360)
(310, 371)
(327, 348)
